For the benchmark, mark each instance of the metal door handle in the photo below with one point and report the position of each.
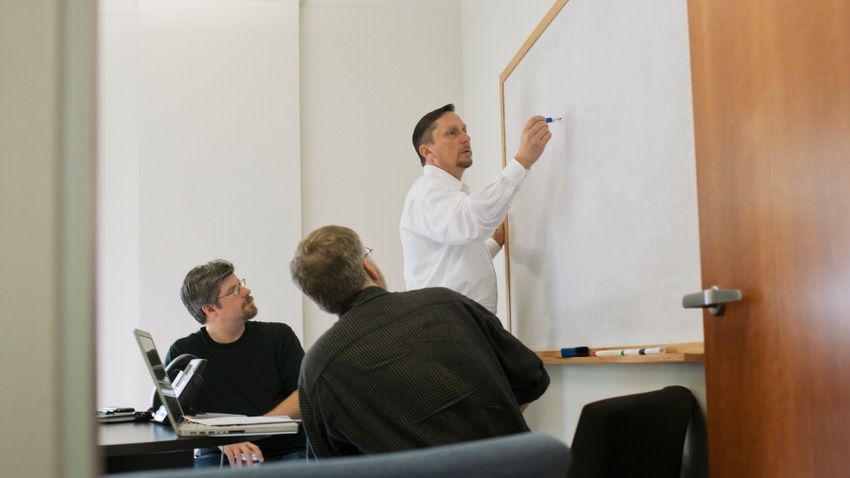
(714, 298)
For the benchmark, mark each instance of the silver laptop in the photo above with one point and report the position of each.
(220, 424)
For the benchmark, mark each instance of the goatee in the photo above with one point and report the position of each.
(250, 309)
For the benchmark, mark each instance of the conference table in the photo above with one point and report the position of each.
(132, 446)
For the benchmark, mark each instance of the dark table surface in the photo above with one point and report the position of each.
(133, 446)
(136, 438)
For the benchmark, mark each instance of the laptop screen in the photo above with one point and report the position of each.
(161, 381)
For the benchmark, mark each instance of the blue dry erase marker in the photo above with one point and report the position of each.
(552, 120)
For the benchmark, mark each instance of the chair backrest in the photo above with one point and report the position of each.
(633, 435)
(525, 454)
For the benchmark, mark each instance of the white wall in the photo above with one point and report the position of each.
(369, 71)
(201, 157)
(118, 238)
(220, 145)
(200, 160)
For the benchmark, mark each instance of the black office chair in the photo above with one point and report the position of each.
(633, 435)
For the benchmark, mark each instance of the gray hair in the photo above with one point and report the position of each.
(201, 287)
(328, 267)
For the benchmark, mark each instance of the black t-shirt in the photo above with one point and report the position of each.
(250, 376)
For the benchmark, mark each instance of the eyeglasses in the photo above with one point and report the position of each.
(235, 290)
(368, 252)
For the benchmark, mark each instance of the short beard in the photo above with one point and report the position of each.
(465, 164)
(250, 311)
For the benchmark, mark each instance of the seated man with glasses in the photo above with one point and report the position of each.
(252, 367)
(402, 370)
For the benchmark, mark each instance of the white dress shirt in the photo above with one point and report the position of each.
(445, 230)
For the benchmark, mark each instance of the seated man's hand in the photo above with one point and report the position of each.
(242, 454)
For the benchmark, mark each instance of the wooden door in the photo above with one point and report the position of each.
(771, 87)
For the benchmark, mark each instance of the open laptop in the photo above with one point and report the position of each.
(220, 424)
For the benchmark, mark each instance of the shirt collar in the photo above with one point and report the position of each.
(430, 170)
(361, 298)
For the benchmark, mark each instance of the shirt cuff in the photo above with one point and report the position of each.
(492, 246)
(514, 172)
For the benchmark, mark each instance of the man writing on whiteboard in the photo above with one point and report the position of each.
(449, 236)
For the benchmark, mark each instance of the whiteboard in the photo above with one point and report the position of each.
(603, 238)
